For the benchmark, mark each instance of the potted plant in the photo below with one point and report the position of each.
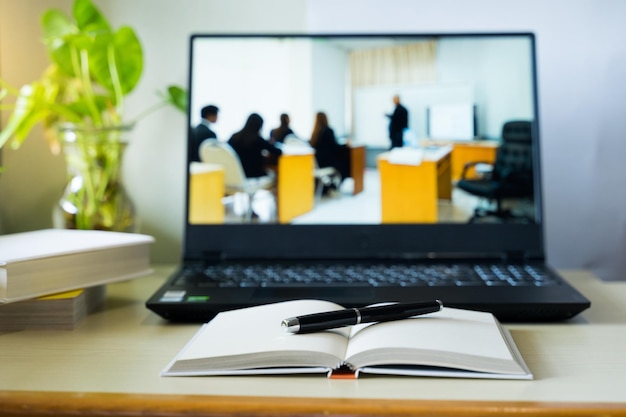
(80, 101)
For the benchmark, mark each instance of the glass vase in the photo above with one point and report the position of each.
(95, 197)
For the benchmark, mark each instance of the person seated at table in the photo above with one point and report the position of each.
(328, 152)
(281, 132)
(202, 131)
(250, 147)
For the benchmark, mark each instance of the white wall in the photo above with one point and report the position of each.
(329, 83)
(33, 178)
(582, 62)
(245, 77)
(268, 76)
(582, 85)
(501, 78)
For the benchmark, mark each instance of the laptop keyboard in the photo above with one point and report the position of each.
(404, 275)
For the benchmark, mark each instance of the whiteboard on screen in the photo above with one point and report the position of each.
(451, 121)
(370, 104)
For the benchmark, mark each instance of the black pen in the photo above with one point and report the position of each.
(332, 319)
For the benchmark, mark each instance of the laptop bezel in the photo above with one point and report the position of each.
(367, 241)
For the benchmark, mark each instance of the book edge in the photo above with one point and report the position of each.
(77, 285)
(124, 240)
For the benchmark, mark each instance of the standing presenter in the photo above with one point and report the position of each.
(398, 121)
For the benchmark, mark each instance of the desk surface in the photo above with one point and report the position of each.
(111, 363)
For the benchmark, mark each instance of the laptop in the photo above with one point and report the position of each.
(405, 224)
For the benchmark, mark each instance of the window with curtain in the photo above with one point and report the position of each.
(402, 64)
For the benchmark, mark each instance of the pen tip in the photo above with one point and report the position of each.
(290, 325)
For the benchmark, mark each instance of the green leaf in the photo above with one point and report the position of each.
(79, 110)
(88, 17)
(128, 58)
(25, 115)
(84, 41)
(59, 92)
(116, 62)
(99, 62)
(58, 33)
(177, 97)
(56, 25)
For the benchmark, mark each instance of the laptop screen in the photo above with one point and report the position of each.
(363, 145)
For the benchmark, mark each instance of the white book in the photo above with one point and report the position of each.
(448, 343)
(49, 261)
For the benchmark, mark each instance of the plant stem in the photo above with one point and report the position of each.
(89, 94)
(115, 79)
(148, 111)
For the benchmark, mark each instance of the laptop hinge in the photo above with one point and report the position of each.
(212, 257)
(520, 257)
(208, 258)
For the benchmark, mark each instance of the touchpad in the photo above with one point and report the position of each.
(328, 293)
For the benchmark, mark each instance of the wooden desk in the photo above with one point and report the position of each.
(295, 189)
(467, 151)
(296, 185)
(409, 193)
(109, 366)
(464, 152)
(357, 167)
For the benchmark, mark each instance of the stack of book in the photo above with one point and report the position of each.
(53, 278)
(62, 311)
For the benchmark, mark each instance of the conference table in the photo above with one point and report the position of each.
(109, 365)
(410, 191)
(466, 151)
(206, 191)
(296, 185)
(294, 189)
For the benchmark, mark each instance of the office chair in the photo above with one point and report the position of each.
(510, 176)
(235, 180)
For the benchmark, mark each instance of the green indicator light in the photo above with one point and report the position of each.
(198, 298)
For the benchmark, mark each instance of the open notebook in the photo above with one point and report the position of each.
(455, 213)
(447, 343)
